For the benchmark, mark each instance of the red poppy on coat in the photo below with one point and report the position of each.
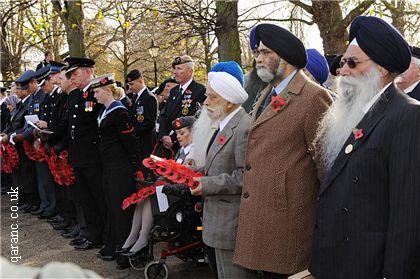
(85, 94)
(358, 133)
(277, 103)
(221, 140)
(104, 80)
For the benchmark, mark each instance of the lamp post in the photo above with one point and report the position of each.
(154, 51)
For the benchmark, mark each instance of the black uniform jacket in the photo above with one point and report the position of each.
(368, 215)
(80, 124)
(118, 142)
(144, 113)
(178, 106)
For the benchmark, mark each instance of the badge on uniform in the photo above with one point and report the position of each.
(88, 106)
(36, 107)
(140, 111)
(186, 103)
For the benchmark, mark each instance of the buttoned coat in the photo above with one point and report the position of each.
(368, 216)
(281, 180)
(222, 185)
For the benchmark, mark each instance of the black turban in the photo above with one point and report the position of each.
(282, 42)
(381, 42)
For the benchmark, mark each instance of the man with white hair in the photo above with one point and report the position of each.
(368, 214)
(409, 81)
(221, 186)
(184, 99)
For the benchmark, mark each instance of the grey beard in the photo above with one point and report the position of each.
(345, 113)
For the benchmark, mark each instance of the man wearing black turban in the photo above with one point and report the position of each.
(368, 213)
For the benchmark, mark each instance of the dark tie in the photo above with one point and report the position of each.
(212, 140)
(265, 103)
(179, 93)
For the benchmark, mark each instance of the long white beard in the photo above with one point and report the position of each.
(345, 113)
(202, 132)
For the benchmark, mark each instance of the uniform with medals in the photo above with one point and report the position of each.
(80, 124)
(184, 100)
(144, 113)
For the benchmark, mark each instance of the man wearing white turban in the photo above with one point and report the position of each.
(221, 186)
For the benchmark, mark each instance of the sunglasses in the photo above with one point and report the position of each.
(350, 62)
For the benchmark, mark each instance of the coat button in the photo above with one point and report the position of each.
(355, 179)
(74, 115)
(76, 106)
(248, 167)
(245, 195)
(72, 126)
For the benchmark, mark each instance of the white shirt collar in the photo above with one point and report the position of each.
(25, 98)
(185, 86)
(86, 87)
(411, 87)
(284, 83)
(372, 101)
(140, 92)
(226, 120)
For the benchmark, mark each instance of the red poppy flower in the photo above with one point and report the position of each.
(104, 81)
(221, 140)
(85, 94)
(277, 103)
(358, 133)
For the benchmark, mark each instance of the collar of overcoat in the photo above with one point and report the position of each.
(367, 125)
(226, 134)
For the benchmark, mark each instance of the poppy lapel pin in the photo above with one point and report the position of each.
(358, 133)
(277, 103)
(221, 140)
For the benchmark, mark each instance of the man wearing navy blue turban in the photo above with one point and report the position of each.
(368, 213)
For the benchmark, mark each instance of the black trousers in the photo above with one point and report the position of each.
(25, 178)
(65, 206)
(118, 183)
(88, 192)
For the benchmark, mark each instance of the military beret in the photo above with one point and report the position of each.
(181, 60)
(381, 42)
(182, 122)
(24, 79)
(133, 75)
(102, 81)
(282, 42)
(163, 84)
(415, 52)
(77, 62)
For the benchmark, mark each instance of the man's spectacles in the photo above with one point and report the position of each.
(263, 52)
(350, 62)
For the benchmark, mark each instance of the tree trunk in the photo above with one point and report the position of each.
(328, 17)
(227, 31)
(72, 18)
(207, 54)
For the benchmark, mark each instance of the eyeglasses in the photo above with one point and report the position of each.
(263, 52)
(350, 62)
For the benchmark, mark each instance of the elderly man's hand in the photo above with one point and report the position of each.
(198, 191)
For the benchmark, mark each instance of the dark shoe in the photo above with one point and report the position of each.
(56, 219)
(73, 234)
(23, 206)
(77, 241)
(37, 212)
(47, 215)
(60, 226)
(123, 250)
(69, 229)
(87, 245)
(108, 257)
(31, 209)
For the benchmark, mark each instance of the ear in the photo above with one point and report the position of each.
(384, 72)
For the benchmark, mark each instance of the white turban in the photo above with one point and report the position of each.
(228, 87)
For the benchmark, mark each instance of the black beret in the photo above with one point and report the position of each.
(381, 42)
(163, 84)
(182, 122)
(415, 51)
(77, 62)
(133, 75)
(282, 42)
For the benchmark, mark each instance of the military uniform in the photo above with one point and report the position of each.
(180, 103)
